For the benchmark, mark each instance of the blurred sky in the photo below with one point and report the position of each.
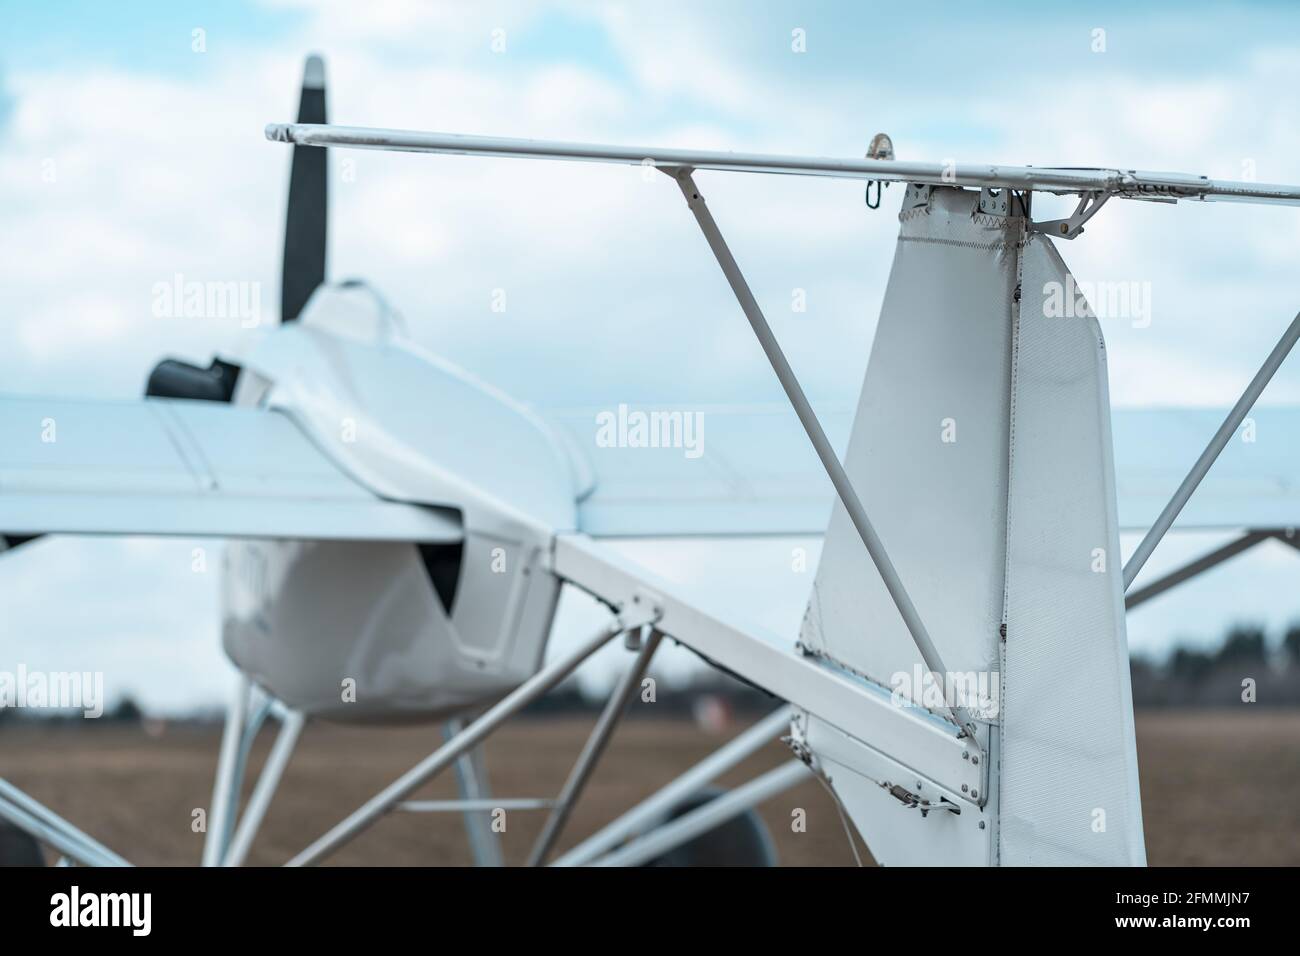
(126, 158)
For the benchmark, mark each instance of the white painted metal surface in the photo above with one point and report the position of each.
(897, 833)
(357, 633)
(928, 745)
(1069, 783)
(310, 619)
(411, 426)
(928, 453)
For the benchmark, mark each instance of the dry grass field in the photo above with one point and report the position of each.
(1218, 787)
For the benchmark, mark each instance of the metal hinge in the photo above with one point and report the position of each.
(1003, 203)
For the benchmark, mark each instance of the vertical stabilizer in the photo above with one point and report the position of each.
(981, 450)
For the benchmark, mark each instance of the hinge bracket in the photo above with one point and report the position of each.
(1071, 227)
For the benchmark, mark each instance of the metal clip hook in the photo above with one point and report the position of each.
(882, 147)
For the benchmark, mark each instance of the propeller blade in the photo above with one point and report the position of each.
(306, 222)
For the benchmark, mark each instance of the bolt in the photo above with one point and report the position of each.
(965, 755)
(974, 759)
(964, 788)
(974, 793)
(981, 824)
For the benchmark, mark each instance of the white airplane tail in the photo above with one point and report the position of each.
(979, 393)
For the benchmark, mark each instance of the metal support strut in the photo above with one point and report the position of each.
(399, 789)
(704, 818)
(1193, 568)
(48, 827)
(647, 814)
(471, 783)
(593, 749)
(267, 782)
(225, 788)
(1220, 441)
(839, 478)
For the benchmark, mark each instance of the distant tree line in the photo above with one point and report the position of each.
(1243, 668)
(125, 711)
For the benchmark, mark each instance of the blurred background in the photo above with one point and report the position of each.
(132, 152)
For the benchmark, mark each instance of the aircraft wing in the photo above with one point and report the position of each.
(165, 467)
(746, 470)
(753, 471)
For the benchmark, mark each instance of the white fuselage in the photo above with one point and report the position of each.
(390, 631)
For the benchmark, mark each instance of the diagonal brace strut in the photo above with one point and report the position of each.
(1201, 467)
(839, 478)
